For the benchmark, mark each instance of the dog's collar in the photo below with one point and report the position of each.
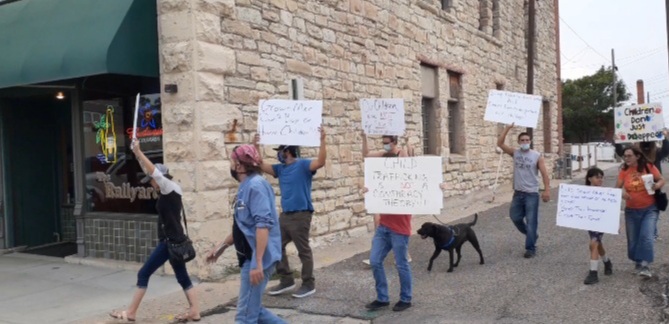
(447, 245)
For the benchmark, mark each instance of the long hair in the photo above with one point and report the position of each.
(641, 163)
(594, 171)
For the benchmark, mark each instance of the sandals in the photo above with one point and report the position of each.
(184, 318)
(122, 316)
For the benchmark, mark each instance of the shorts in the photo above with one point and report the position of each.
(596, 236)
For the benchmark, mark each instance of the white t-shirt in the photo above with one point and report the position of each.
(166, 185)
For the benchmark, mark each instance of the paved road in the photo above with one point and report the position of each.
(508, 288)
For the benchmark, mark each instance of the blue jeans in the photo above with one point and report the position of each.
(524, 213)
(158, 257)
(249, 304)
(640, 228)
(385, 240)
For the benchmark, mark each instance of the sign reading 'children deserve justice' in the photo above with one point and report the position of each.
(290, 122)
(382, 116)
(639, 123)
(589, 208)
(513, 107)
(405, 185)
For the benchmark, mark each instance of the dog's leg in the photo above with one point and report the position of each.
(459, 256)
(436, 253)
(450, 260)
(475, 243)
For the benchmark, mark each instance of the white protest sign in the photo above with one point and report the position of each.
(404, 185)
(589, 208)
(383, 116)
(290, 122)
(639, 123)
(513, 107)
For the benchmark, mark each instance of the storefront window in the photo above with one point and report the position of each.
(112, 172)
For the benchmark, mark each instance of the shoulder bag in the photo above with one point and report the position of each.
(184, 251)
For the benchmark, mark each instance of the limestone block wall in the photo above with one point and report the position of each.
(225, 55)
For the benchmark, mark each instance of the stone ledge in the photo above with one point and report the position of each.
(457, 158)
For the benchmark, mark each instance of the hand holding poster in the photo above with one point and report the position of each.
(512, 107)
(383, 116)
(639, 123)
(290, 122)
(589, 208)
(407, 185)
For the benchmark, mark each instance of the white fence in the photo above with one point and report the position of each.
(584, 156)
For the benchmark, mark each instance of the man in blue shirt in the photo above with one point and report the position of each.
(255, 235)
(295, 176)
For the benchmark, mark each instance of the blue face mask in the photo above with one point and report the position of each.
(387, 147)
(525, 146)
(281, 157)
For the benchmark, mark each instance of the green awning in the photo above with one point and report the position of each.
(48, 40)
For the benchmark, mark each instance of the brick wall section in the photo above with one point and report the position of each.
(225, 55)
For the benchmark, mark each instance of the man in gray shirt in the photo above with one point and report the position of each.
(524, 210)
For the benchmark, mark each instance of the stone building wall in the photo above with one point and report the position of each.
(225, 55)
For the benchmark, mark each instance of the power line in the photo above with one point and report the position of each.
(583, 40)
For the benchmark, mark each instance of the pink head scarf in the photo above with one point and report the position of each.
(246, 154)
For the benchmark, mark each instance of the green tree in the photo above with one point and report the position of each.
(586, 106)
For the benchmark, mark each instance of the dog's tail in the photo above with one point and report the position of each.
(476, 216)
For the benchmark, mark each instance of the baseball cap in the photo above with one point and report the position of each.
(293, 149)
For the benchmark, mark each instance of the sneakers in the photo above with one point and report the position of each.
(375, 305)
(281, 288)
(304, 291)
(366, 261)
(528, 254)
(591, 278)
(608, 268)
(400, 306)
(645, 272)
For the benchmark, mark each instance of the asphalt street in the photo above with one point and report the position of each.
(508, 288)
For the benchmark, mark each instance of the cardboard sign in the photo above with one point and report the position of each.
(404, 185)
(290, 122)
(383, 116)
(589, 208)
(639, 123)
(513, 107)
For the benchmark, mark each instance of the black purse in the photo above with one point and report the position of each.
(184, 251)
(661, 200)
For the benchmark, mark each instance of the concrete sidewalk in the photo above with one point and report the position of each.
(61, 292)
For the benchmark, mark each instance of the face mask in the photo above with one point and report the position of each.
(386, 147)
(233, 174)
(525, 146)
(281, 157)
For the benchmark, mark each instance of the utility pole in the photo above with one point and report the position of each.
(614, 69)
(531, 36)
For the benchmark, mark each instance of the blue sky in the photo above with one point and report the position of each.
(635, 29)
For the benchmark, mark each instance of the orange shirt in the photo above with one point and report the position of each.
(633, 184)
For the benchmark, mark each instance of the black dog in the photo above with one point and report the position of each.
(449, 238)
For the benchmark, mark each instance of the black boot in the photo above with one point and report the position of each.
(591, 278)
(608, 268)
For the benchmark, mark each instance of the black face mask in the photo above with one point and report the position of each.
(233, 174)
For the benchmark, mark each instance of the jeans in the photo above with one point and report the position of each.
(640, 228)
(524, 213)
(249, 304)
(158, 257)
(385, 240)
(295, 228)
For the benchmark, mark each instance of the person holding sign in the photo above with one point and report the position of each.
(295, 176)
(640, 179)
(524, 209)
(169, 208)
(256, 235)
(595, 177)
(392, 233)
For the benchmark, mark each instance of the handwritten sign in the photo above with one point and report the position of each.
(513, 107)
(383, 116)
(290, 122)
(589, 208)
(404, 185)
(639, 123)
